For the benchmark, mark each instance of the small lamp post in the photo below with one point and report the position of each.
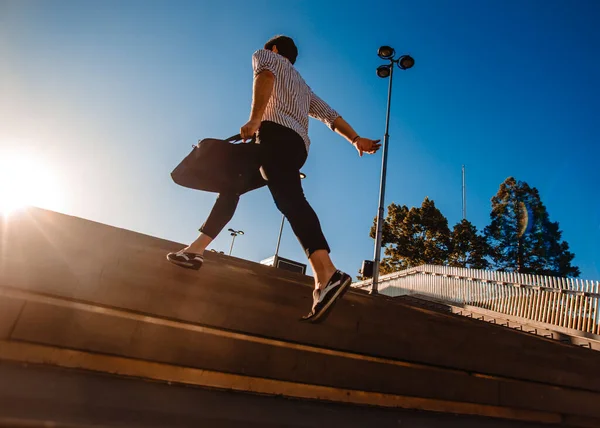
(234, 233)
(302, 177)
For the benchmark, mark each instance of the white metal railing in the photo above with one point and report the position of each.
(564, 302)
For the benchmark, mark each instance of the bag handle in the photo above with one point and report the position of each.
(237, 137)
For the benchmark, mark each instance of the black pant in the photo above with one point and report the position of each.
(282, 154)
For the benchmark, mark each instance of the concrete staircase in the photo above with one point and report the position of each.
(118, 307)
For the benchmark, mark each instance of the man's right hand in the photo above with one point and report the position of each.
(249, 129)
(366, 145)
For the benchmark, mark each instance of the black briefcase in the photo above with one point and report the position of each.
(221, 166)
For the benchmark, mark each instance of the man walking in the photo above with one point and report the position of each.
(281, 105)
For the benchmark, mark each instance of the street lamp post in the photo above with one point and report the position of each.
(404, 62)
(279, 241)
(234, 233)
(302, 176)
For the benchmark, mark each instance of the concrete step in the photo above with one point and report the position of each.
(36, 396)
(562, 334)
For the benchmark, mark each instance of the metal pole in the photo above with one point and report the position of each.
(381, 208)
(232, 241)
(278, 241)
(464, 194)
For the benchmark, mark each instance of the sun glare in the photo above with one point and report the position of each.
(25, 180)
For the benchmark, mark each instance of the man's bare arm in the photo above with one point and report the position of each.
(363, 145)
(261, 93)
(344, 129)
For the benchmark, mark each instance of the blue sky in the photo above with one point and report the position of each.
(110, 95)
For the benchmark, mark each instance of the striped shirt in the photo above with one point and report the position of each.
(292, 101)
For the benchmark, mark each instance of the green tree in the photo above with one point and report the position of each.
(412, 237)
(468, 249)
(521, 236)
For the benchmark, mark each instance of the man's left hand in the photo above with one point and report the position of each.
(249, 129)
(366, 145)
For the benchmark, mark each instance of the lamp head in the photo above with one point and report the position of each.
(386, 52)
(384, 71)
(405, 62)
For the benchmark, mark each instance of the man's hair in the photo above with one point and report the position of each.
(285, 47)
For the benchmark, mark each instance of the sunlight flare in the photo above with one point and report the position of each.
(25, 180)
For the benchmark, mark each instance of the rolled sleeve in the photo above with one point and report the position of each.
(320, 110)
(263, 60)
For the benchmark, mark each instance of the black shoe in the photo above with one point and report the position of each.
(324, 299)
(186, 260)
